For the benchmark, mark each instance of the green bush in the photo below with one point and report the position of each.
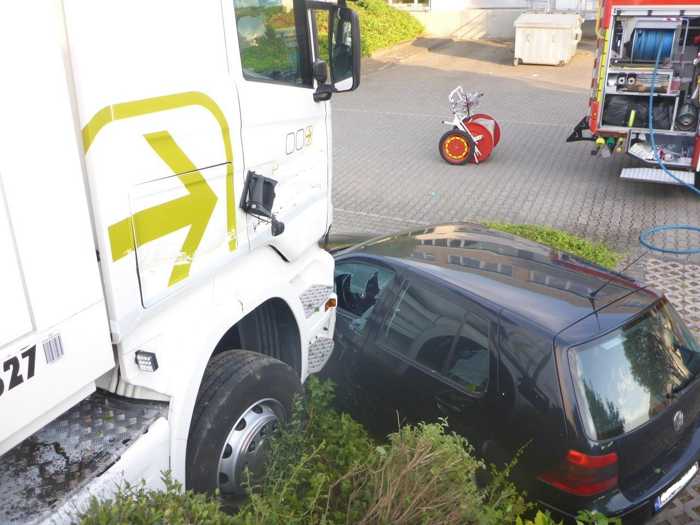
(138, 506)
(383, 26)
(560, 240)
(584, 518)
(427, 475)
(324, 469)
(313, 463)
(541, 518)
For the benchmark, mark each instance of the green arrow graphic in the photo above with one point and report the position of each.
(193, 210)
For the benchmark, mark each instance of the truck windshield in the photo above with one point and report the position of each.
(626, 377)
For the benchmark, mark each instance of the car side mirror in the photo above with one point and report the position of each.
(345, 50)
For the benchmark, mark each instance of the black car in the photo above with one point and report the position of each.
(522, 347)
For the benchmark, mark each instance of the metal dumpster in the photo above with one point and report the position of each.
(546, 38)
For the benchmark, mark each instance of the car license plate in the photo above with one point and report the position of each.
(667, 495)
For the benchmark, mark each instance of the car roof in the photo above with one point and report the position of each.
(551, 288)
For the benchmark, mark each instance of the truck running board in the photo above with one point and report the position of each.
(56, 462)
(657, 175)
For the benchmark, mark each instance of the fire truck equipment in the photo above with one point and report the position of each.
(472, 137)
(687, 117)
(631, 36)
(645, 237)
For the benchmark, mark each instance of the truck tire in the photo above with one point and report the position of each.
(243, 398)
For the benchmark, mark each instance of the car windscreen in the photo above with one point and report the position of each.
(625, 378)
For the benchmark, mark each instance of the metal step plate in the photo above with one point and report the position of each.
(56, 462)
(657, 175)
(314, 298)
(319, 352)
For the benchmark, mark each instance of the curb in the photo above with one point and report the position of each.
(387, 57)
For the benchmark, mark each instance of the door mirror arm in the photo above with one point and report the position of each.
(320, 71)
(323, 92)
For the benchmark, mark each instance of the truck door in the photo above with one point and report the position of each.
(284, 131)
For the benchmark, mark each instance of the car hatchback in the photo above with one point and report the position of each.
(523, 347)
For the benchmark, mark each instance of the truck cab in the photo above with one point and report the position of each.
(165, 176)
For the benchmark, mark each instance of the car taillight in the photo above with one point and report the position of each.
(584, 475)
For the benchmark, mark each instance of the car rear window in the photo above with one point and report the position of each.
(626, 377)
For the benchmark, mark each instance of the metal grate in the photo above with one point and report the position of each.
(681, 283)
(319, 352)
(656, 175)
(56, 462)
(314, 298)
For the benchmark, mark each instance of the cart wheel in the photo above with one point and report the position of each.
(456, 147)
(496, 127)
(516, 61)
(484, 145)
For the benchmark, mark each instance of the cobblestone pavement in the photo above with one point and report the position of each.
(389, 175)
(389, 172)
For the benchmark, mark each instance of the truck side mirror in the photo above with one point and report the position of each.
(340, 48)
(345, 49)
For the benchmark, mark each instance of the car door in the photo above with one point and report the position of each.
(469, 398)
(363, 287)
(408, 347)
(431, 357)
(283, 129)
(360, 285)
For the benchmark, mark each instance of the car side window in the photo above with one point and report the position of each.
(470, 361)
(359, 286)
(435, 351)
(422, 323)
(267, 38)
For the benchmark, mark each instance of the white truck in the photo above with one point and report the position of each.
(165, 177)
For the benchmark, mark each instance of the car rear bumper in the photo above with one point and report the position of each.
(617, 505)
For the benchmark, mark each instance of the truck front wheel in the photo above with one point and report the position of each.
(242, 400)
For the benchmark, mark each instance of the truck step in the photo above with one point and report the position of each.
(657, 175)
(56, 462)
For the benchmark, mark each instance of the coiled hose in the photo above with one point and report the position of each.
(646, 235)
(648, 42)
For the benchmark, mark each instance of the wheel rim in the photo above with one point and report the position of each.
(247, 444)
(456, 147)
